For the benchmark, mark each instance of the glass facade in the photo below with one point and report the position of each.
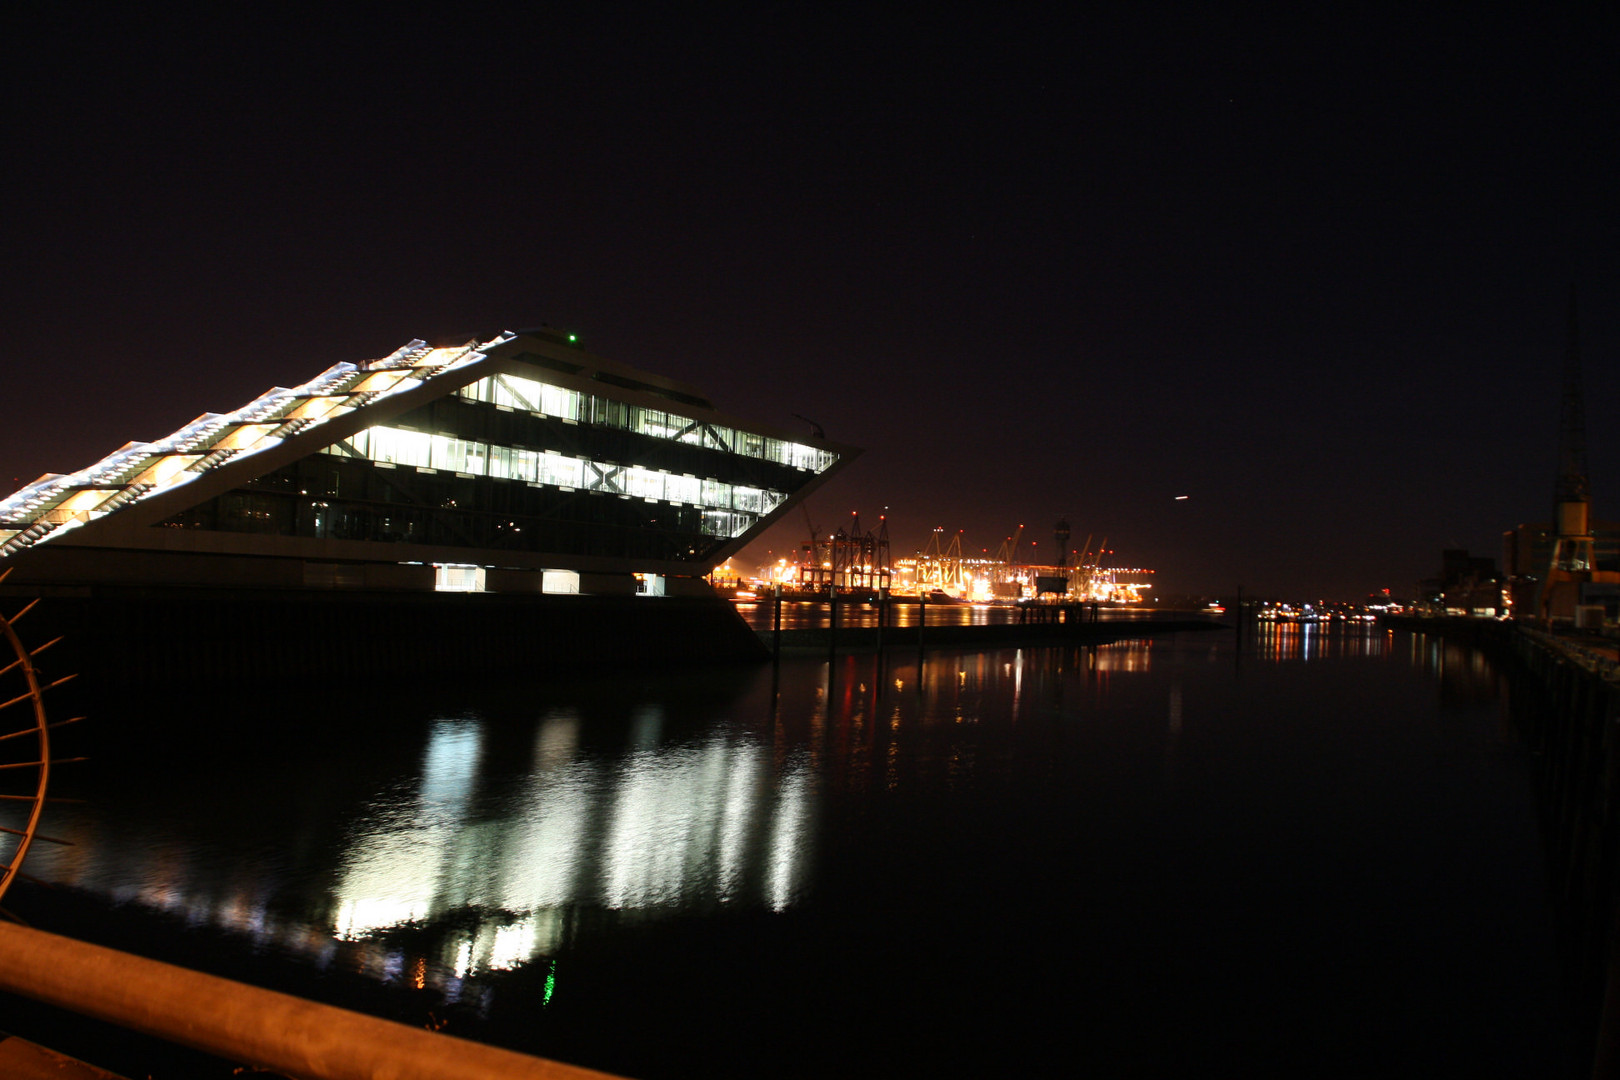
(511, 392)
(511, 463)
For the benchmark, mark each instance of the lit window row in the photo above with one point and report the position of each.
(515, 392)
(730, 509)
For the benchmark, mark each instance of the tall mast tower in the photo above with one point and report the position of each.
(1572, 558)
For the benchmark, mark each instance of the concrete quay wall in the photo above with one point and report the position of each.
(265, 637)
(1565, 702)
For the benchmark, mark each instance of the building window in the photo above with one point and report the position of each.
(457, 577)
(560, 582)
(529, 395)
(738, 506)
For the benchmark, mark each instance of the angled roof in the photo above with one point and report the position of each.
(141, 484)
(140, 471)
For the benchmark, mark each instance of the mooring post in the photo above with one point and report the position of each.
(832, 621)
(922, 619)
(883, 608)
(776, 626)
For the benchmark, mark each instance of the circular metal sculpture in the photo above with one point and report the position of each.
(25, 746)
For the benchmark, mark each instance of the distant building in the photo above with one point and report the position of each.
(1527, 553)
(523, 464)
(1466, 585)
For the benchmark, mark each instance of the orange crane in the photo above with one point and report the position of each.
(1008, 551)
(810, 567)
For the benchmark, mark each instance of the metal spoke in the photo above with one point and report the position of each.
(33, 764)
(36, 757)
(24, 611)
(39, 836)
(36, 652)
(36, 689)
(30, 731)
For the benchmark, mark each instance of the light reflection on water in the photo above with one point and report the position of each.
(509, 852)
(509, 855)
(977, 801)
(665, 826)
(1311, 641)
(815, 614)
(499, 859)
(395, 867)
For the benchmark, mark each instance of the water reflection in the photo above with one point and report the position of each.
(1313, 641)
(459, 867)
(696, 864)
(664, 825)
(1465, 676)
(498, 841)
(815, 614)
(399, 852)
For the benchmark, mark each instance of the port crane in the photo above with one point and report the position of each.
(940, 566)
(1007, 553)
(851, 558)
(814, 546)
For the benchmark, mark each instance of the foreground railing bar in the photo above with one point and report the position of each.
(261, 1028)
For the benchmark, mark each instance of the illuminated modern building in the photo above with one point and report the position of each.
(523, 467)
(475, 468)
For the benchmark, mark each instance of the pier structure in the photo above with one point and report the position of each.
(1565, 700)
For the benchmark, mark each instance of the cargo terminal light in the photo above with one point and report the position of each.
(987, 579)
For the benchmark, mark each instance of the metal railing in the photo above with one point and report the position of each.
(261, 1028)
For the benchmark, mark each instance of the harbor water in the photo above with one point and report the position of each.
(762, 614)
(1312, 851)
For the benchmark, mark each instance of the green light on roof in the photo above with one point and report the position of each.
(573, 337)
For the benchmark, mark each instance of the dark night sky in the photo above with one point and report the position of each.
(1311, 272)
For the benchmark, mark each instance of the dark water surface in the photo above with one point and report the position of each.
(900, 613)
(1130, 860)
